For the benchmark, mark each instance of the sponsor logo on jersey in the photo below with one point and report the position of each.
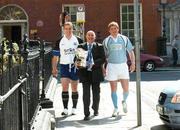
(69, 51)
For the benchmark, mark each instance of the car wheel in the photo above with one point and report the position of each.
(149, 66)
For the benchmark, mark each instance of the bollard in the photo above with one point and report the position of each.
(44, 102)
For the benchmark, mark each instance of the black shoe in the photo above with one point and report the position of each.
(64, 114)
(87, 118)
(96, 113)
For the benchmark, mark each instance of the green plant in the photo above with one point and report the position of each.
(4, 58)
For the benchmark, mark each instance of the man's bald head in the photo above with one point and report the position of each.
(90, 36)
(91, 32)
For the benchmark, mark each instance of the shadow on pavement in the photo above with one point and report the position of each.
(135, 127)
(162, 127)
(62, 123)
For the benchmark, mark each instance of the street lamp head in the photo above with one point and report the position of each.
(163, 1)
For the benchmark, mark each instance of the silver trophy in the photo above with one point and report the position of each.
(81, 57)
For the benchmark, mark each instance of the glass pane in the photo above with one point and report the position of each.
(131, 33)
(12, 13)
(132, 40)
(66, 9)
(73, 10)
(73, 18)
(79, 29)
(124, 17)
(130, 9)
(125, 32)
(167, 29)
(131, 17)
(124, 25)
(124, 9)
(131, 25)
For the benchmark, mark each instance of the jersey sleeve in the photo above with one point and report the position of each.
(129, 45)
(105, 42)
(56, 49)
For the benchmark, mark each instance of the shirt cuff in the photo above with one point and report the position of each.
(56, 53)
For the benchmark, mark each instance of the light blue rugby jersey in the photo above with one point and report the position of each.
(116, 50)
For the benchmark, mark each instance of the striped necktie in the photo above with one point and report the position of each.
(89, 57)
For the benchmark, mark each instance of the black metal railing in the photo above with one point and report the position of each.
(21, 74)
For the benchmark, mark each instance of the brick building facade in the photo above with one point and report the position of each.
(42, 17)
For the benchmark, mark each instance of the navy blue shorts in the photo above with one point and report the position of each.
(67, 71)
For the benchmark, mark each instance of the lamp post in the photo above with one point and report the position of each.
(162, 40)
(138, 71)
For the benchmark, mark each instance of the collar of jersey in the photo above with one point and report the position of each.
(91, 43)
(70, 38)
(115, 39)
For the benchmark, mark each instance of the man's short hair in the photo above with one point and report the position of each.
(113, 24)
(68, 23)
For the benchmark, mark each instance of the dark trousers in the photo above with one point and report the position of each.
(87, 96)
(175, 56)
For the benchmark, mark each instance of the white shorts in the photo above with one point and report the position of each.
(117, 71)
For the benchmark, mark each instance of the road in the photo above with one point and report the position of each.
(158, 76)
(151, 85)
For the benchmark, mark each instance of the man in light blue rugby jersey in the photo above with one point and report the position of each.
(116, 47)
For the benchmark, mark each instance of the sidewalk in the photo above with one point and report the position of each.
(168, 68)
(150, 119)
(168, 64)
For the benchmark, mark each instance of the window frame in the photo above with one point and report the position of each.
(74, 22)
(24, 23)
(128, 30)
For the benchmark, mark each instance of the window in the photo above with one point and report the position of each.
(12, 17)
(127, 21)
(167, 28)
(78, 27)
(12, 13)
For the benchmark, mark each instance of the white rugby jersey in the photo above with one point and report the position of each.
(66, 49)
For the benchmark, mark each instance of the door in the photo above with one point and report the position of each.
(12, 33)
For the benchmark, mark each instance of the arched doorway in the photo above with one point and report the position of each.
(13, 22)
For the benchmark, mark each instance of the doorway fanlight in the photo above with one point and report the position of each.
(12, 12)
